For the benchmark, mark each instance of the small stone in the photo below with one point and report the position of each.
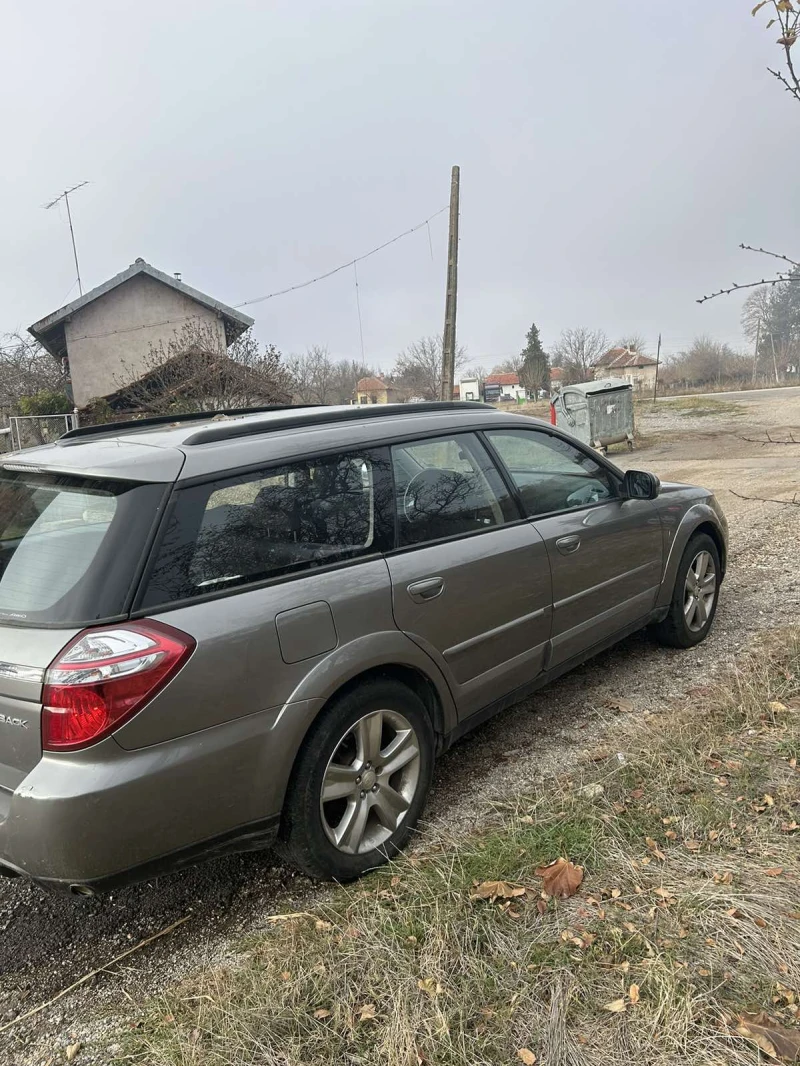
(591, 791)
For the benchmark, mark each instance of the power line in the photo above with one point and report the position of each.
(344, 266)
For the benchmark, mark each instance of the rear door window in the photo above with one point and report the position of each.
(447, 487)
(270, 523)
(69, 547)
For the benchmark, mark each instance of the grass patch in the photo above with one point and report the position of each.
(689, 912)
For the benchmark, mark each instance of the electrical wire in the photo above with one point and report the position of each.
(344, 266)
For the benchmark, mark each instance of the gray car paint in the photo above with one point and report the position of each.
(212, 753)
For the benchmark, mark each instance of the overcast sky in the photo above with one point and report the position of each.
(613, 155)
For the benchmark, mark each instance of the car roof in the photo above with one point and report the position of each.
(164, 450)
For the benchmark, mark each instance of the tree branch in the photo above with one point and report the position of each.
(766, 251)
(794, 90)
(750, 285)
(794, 502)
(771, 440)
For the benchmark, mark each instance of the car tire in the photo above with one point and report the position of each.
(694, 600)
(371, 752)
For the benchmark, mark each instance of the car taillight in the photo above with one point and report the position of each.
(104, 676)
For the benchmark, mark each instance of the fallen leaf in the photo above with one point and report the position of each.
(367, 1012)
(654, 848)
(72, 1051)
(623, 706)
(777, 707)
(637, 793)
(322, 926)
(623, 967)
(286, 976)
(789, 827)
(322, 1013)
(774, 871)
(561, 878)
(429, 985)
(768, 800)
(527, 1056)
(493, 890)
(760, 923)
(633, 993)
(724, 879)
(616, 1006)
(773, 1039)
(692, 845)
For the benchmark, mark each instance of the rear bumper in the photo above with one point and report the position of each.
(95, 819)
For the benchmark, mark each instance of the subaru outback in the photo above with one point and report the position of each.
(223, 632)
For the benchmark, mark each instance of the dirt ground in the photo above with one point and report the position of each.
(48, 943)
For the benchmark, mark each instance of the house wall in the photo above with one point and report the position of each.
(389, 395)
(641, 377)
(108, 342)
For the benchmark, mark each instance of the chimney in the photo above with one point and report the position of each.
(177, 275)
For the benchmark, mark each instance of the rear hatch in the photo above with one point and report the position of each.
(71, 548)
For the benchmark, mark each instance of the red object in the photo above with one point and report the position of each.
(104, 676)
(552, 413)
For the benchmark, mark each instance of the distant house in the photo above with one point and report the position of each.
(106, 336)
(628, 364)
(556, 377)
(375, 390)
(468, 389)
(503, 388)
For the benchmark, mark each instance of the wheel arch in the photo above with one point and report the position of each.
(713, 531)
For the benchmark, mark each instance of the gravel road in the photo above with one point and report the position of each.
(47, 943)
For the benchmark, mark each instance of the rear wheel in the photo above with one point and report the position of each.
(694, 598)
(360, 782)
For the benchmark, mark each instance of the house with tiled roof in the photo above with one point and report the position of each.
(376, 390)
(628, 364)
(503, 388)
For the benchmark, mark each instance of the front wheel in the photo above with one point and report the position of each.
(694, 598)
(360, 782)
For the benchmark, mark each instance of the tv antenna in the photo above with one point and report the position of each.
(65, 195)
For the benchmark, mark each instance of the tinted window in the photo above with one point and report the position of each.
(447, 487)
(551, 474)
(69, 546)
(261, 525)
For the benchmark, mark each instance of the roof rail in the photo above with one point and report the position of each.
(230, 430)
(135, 424)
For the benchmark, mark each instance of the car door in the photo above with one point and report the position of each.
(470, 578)
(605, 551)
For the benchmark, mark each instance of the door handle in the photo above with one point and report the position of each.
(427, 589)
(568, 545)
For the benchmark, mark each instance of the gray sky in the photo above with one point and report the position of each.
(613, 156)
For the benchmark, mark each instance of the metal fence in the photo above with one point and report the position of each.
(28, 431)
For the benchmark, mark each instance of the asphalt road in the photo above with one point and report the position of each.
(786, 392)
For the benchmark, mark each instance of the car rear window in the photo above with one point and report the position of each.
(268, 523)
(70, 546)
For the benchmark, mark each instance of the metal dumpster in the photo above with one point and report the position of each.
(596, 412)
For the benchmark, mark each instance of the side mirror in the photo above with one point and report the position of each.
(639, 485)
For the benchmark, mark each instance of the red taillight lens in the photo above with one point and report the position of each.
(105, 676)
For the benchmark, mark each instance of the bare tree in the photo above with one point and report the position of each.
(26, 369)
(419, 367)
(576, 351)
(512, 365)
(195, 372)
(313, 375)
(634, 342)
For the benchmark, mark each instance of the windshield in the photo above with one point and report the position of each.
(69, 547)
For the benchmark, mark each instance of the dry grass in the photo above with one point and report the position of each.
(681, 844)
(700, 407)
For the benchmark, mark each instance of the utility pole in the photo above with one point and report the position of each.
(755, 353)
(449, 338)
(658, 360)
(65, 197)
(774, 359)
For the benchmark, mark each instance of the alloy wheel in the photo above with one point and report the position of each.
(700, 591)
(370, 782)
